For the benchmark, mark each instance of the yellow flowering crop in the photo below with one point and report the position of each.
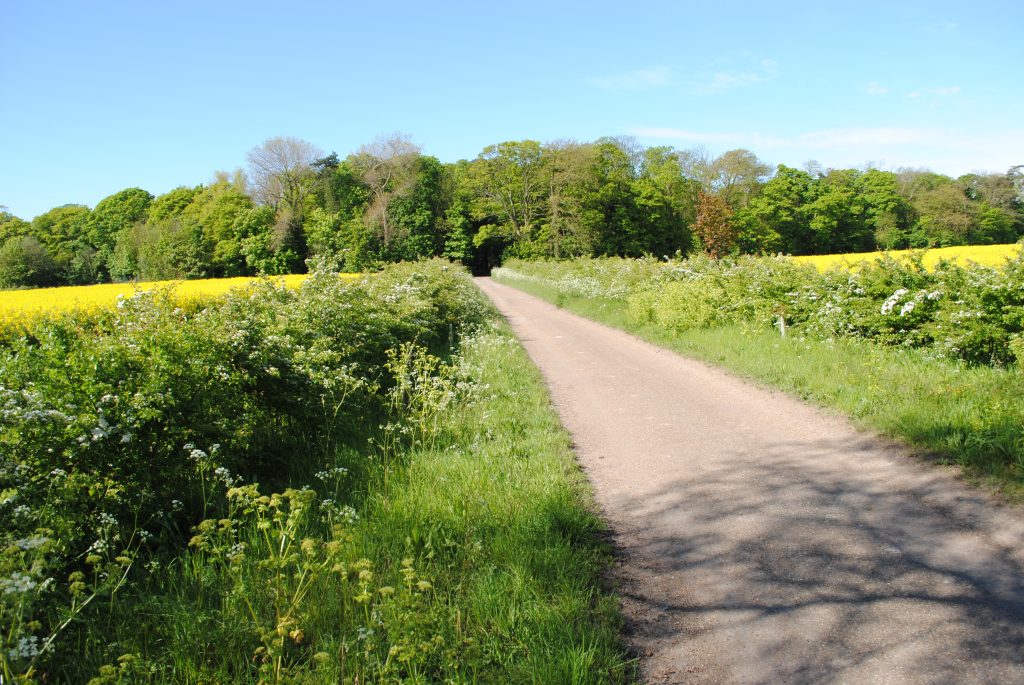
(987, 255)
(22, 307)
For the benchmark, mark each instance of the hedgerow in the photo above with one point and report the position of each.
(971, 313)
(128, 437)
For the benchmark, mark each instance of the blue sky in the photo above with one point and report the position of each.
(99, 96)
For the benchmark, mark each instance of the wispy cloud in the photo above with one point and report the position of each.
(819, 140)
(945, 27)
(945, 150)
(875, 88)
(640, 79)
(737, 71)
(943, 92)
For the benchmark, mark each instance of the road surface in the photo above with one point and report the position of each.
(764, 541)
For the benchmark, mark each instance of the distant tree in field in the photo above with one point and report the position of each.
(113, 214)
(62, 230)
(282, 176)
(714, 225)
(568, 229)
(664, 166)
(946, 215)
(777, 220)
(388, 168)
(737, 177)
(263, 255)
(60, 226)
(620, 226)
(24, 262)
(172, 203)
(215, 209)
(11, 226)
(509, 193)
(417, 216)
(838, 214)
(888, 212)
(280, 171)
(1016, 176)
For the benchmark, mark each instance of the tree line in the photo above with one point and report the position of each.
(389, 202)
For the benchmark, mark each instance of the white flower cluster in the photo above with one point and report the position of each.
(33, 542)
(224, 476)
(18, 583)
(336, 472)
(893, 300)
(26, 648)
(912, 303)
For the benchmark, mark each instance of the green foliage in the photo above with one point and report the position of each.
(915, 386)
(524, 199)
(11, 226)
(172, 203)
(216, 209)
(114, 214)
(965, 313)
(25, 262)
(118, 434)
(289, 486)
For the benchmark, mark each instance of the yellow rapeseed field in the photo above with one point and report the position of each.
(987, 255)
(21, 307)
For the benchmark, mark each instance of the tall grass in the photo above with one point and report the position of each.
(474, 556)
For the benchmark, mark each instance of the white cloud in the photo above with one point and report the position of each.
(640, 79)
(875, 88)
(947, 151)
(946, 27)
(943, 92)
(737, 72)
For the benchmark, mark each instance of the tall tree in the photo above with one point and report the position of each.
(838, 215)
(214, 209)
(282, 176)
(946, 215)
(24, 261)
(888, 212)
(387, 167)
(509, 183)
(62, 230)
(113, 214)
(11, 226)
(568, 229)
(737, 176)
(776, 220)
(714, 225)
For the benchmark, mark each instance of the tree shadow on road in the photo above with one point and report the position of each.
(816, 574)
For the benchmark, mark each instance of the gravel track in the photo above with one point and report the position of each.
(765, 541)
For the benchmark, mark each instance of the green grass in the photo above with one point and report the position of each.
(477, 546)
(971, 416)
(504, 513)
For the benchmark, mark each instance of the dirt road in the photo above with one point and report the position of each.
(764, 541)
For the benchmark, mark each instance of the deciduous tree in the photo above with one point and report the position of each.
(714, 225)
(387, 167)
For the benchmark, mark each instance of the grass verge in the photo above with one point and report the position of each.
(970, 416)
(473, 555)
